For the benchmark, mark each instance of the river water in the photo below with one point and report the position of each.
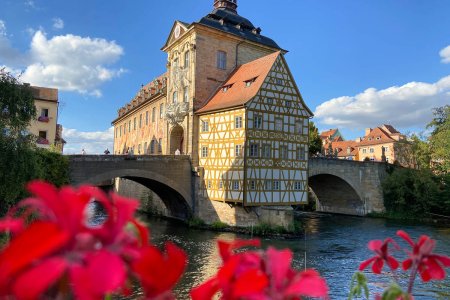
(333, 245)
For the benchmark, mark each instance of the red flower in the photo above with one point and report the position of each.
(429, 265)
(382, 255)
(62, 244)
(259, 275)
(159, 272)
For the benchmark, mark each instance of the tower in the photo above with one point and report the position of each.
(226, 4)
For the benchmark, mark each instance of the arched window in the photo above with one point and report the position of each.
(175, 97)
(186, 94)
(186, 59)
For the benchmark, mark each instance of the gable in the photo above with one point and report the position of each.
(178, 29)
(279, 92)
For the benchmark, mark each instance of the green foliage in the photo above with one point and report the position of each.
(16, 106)
(315, 143)
(358, 286)
(218, 225)
(53, 167)
(394, 292)
(196, 222)
(416, 192)
(440, 139)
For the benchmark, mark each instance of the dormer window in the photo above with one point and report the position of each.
(378, 138)
(249, 82)
(226, 87)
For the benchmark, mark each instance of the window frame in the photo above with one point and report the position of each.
(221, 60)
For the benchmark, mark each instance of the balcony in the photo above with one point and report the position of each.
(43, 119)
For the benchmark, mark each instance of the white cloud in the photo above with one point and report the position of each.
(445, 54)
(30, 3)
(2, 28)
(67, 62)
(58, 23)
(94, 142)
(409, 105)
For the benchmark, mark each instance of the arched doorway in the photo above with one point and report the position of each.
(176, 139)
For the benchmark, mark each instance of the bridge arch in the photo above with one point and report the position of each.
(334, 194)
(170, 177)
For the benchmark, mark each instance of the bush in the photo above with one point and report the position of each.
(218, 225)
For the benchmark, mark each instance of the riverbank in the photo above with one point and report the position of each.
(431, 219)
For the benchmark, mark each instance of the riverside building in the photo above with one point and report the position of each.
(230, 102)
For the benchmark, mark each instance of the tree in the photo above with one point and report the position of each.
(440, 139)
(16, 107)
(315, 142)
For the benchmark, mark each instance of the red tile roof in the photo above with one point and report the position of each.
(238, 93)
(342, 147)
(377, 136)
(327, 134)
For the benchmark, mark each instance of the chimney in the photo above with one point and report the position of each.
(368, 130)
(230, 5)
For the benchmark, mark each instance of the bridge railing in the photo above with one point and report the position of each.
(109, 157)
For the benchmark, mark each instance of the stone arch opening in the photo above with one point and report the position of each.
(173, 199)
(176, 139)
(335, 195)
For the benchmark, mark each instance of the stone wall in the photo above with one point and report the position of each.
(150, 202)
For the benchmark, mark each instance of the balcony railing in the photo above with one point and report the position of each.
(42, 141)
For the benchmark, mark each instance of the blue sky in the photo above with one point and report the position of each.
(357, 63)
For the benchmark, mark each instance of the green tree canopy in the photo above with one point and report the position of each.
(440, 139)
(315, 143)
(16, 106)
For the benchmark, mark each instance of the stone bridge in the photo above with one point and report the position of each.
(340, 186)
(168, 176)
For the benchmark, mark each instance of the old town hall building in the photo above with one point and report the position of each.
(230, 102)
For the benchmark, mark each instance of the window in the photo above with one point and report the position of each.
(186, 59)
(146, 118)
(153, 114)
(161, 110)
(160, 145)
(236, 185)
(270, 101)
(278, 124)
(43, 134)
(371, 150)
(209, 184)
(238, 150)
(145, 148)
(139, 149)
(257, 122)
(283, 152)
(288, 103)
(253, 185)
(186, 94)
(279, 81)
(134, 123)
(117, 132)
(221, 60)
(253, 150)
(129, 125)
(175, 63)
(220, 184)
(152, 147)
(175, 97)
(300, 152)
(267, 185)
(266, 151)
(298, 127)
(238, 122)
(297, 185)
(120, 130)
(140, 120)
(276, 185)
(364, 150)
(249, 82)
(205, 126)
(204, 151)
(44, 112)
(226, 87)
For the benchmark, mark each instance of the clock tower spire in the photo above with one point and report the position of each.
(226, 4)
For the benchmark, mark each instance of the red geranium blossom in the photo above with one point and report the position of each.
(429, 265)
(60, 244)
(259, 275)
(382, 255)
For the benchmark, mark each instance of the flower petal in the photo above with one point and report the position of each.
(278, 265)
(375, 245)
(367, 262)
(226, 248)
(435, 269)
(206, 290)
(405, 236)
(377, 265)
(33, 283)
(250, 282)
(308, 283)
